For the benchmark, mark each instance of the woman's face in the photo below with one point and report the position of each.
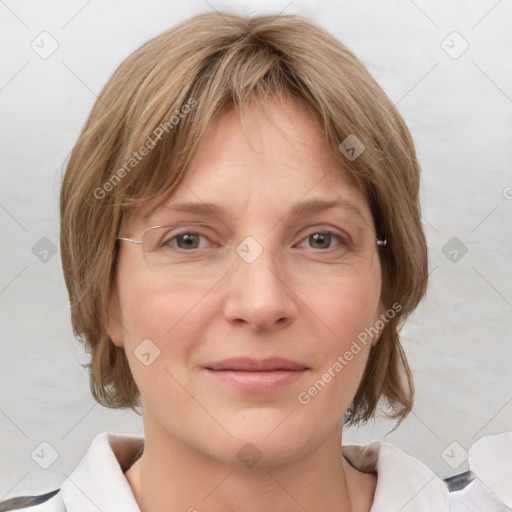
(241, 322)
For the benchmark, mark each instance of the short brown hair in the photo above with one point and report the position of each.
(208, 62)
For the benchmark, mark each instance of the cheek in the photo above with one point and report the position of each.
(346, 307)
(162, 327)
(151, 308)
(346, 312)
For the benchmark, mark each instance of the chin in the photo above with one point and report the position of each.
(267, 438)
(261, 453)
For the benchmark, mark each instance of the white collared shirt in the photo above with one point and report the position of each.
(490, 490)
(404, 484)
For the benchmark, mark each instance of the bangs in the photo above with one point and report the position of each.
(168, 123)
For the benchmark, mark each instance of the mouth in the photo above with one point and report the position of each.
(256, 375)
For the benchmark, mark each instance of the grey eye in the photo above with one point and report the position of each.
(187, 240)
(320, 240)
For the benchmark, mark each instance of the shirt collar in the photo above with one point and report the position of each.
(99, 483)
(489, 458)
(403, 483)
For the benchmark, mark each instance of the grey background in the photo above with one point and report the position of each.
(459, 109)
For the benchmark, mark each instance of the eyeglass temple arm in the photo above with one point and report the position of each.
(129, 240)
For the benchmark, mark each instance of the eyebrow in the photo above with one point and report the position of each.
(297, 210)
(315, 205)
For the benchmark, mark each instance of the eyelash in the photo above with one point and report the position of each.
(341, 239)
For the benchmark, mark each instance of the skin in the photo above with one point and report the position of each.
(295, 301)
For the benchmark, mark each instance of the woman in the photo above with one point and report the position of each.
(241, 240)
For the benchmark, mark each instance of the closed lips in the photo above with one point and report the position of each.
(255, 365)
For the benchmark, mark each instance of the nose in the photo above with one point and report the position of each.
(258, 294)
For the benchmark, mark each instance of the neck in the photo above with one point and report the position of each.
(171, 475)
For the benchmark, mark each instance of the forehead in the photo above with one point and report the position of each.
(270, 159)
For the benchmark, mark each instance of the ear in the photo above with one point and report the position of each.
(113, 321)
